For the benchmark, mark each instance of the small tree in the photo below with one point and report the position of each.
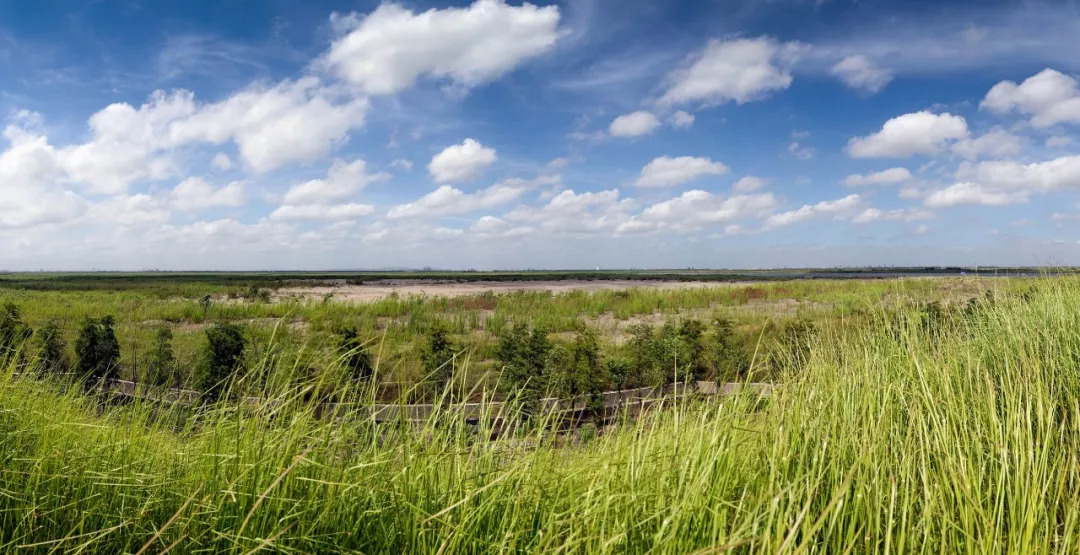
(163, 371)
(522, 356)
(437, 358)
(52, 353)
(356, 358)
(97, 351)
(728, 356)
(692, 350)
(224, 357)
(13, 331)
(589, 373)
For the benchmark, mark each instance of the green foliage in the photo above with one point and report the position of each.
(522, 355)
(437, 358)
(163, 369)
(13, 331)
(225, 346)
(357, 361)
(692, 360)
(588, 372)
(52, 351)
(97, 352)
(730, 360)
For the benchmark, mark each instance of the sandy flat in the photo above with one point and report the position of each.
(404, 288)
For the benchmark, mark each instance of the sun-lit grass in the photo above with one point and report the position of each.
(889, 433)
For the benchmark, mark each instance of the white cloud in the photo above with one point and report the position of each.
(634, 124)
(996, 143)
(293, 121)
(1047, 176)
(343, 180)
(838, 207)
(570, 213)
(126, 143)
(29, 190)
(331, 212)
(221, 162)
(129, 210)
(666, 171)
(461, 162)
(1050, 97)
(194, 193)
(1059, 141)
(973, 193)
(748, 184)
(447, 200)
(681, 120)
(739, 70)
(915, 133)
(800, 151)
(695, 209)
(387, 50)
(859, 73)
(890, 176)
(401, 163)
(490, 227)
(899, 214)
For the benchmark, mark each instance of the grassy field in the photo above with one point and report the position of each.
(910, 415)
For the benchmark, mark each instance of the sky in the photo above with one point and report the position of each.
(275, 135)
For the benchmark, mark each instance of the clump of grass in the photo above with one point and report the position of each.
(888, 434)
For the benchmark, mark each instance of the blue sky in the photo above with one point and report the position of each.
(333, 135)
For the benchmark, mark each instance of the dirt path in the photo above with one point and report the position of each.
(404, 288)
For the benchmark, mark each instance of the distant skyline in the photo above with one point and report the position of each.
(252, 134)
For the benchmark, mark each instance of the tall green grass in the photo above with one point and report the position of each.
(890, 433)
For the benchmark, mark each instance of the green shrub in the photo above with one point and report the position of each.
(225, 346)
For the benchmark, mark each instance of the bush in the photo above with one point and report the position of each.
(163, 371)
(523, 355)
(437, 358)
(728, 356)
(52, 352)
(97, 352)
(224, 358)
(13, 332)
(356, 359)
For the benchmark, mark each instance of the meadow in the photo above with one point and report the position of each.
(930, 414)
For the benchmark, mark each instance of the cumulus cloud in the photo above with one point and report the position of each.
(293, 121)
(129, 211)
(837, 208)
(859, 73)
(996, 143)
(461, 162)
(634, 124)
(666, 171)
(890, 176)
(973, 193)
(321, 212)
(899, 214)
(748, 184)
(221, 162)
(681, 120)
(389, 49)
(490, 227)
(570, 213)
(194, 193)
(695, 209)
(29, 190)
(739, 70)
(343, 180)
(915, 133)
(800, 151)
(1049, 97)
(447, 200)
(1046, 176)
(401, 163)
